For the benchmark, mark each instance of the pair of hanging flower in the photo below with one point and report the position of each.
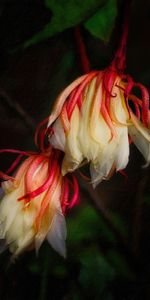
(93, 121)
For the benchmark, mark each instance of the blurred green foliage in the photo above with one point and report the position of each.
(98, 17)
(101, 24)
(93, 264)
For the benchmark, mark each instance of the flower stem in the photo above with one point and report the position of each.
(85, 64)
(119, 61)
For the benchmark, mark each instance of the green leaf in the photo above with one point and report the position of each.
(66, 14)
(101, 24)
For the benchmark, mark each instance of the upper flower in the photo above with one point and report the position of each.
(34, 202)
(93, 118)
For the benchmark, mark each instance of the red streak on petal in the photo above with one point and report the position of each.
(23, 167)
(62, 98)
(49, 194)
(64, 118)
(71, 97)
(43, 187)
(31, 170)
(108, 120)
(79, 102)
(72, 103)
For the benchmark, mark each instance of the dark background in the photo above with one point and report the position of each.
(108, 233)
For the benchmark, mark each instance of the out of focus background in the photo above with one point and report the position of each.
(108, 232)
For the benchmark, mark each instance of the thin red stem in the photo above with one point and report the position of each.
(119, 61)
(85, 64)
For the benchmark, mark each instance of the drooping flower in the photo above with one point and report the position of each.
(34, 202)
(93, 118)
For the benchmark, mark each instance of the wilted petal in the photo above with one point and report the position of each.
(58, 138)
(140, 141)
(73, 155)
(57, 234)
(122, 153)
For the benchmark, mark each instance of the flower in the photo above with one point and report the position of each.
(92, 119)
(34, 202)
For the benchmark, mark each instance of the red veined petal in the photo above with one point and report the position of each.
(108, 120)
(32, 194)
(47, 198)
(71, 104)
(62, 98)
(64, 118)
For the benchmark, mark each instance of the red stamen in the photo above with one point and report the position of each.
(37, 135)
(14, 164)
(75, 197)
(26, 153)
(145, 102)
(65, 195)
(5, 176)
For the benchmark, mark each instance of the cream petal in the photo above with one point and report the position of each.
(102, 167)
(57, 234)
(7, 186)
(113, 155)
(99, 130)
(54, 207)
(122, 153)
(94, 114)
(73, 155)
(140, 141)
(58, 139)
(22, 243)
(88, 146)
(9, 208)
(139, 126)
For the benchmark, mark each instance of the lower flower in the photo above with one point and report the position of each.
(33, 205)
